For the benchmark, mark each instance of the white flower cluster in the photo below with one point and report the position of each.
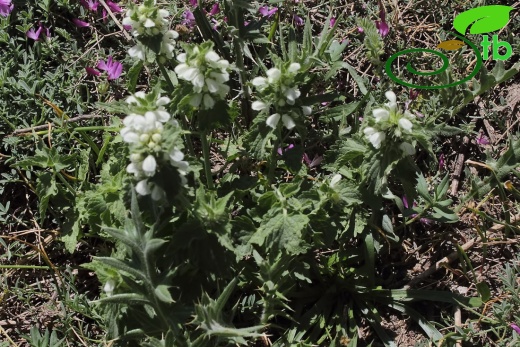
(143, 131)
(207, 72)
(389, 118)
(284, 91)
(147, 20)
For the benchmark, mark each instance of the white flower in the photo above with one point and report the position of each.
(259, 82)
(109, 287)
(176, 157)
(381, 115)
(168, 43)
(288, 122)
(137, 52)
(307, 110)
(405, 124)
(407, 148)
(375, 137)
(334, 180)
(292, 94)
(149, 165)
(294, 67)
(273, 120)
(211, 56)
(392, 105)
(181, 57)
(273, 75)
(259, 105)
(142, 187)
(163, 100)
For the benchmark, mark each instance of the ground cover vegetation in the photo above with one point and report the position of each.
(224, 173)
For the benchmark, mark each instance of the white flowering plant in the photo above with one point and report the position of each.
(154, 143)
(250, 180)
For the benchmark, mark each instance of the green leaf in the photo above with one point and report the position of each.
(163, 294)
(283, 231)
(422, 188)
(484, 291)
(485, 19)
(46, 188)
(121, 265)
(133, 75)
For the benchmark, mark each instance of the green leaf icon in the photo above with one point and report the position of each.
(485, 19)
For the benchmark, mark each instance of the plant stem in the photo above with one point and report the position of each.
(185, 125)
(237, 45)
(207, 163)
(273, 161)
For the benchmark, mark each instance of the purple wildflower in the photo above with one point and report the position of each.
(92, 71)
(193, 2)
(215, 9)
(315, 162)
(515, 328)
(360, 30)
(332, 21)
(286, 149)
(112, 67)
(189, 19)
(266, 12)
(35, 35)
(298, 20)
(421, 220)
(5, 7)
(483, 140)
(79, 23)
(382, 26)
(114, 7)
(91, 5)
(441, 162)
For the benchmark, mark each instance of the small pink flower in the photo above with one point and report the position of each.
(35, 35)
(112, 67)
(360, 30)
(193, 2)
(298, 20)
(189, 19)
(6, 7)
(215, 9)
(441, 162)
(79, 23)
(515, 328)
(382, 26)
(92, 71)
(314, 162)
(332, 21)
(483, 140)
(114, 7)
(91, 5)
(266, 12)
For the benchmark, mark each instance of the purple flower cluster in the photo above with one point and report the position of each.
(189, 19)
(111, 67)
(92, 6)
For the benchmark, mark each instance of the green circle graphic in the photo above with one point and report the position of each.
(445, 65)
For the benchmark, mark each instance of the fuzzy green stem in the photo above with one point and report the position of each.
(237, 46)
(273, 161)
(207, 163)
